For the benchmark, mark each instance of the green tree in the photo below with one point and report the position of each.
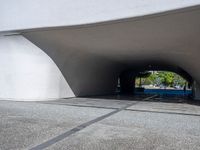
(141, 75)
(166, 78)
(158, 78)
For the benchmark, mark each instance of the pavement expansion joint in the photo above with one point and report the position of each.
(163, 112)
(82, 126)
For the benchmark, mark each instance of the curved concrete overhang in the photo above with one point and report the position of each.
(28, 14)
(92, 56)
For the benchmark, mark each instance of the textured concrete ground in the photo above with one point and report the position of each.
(99, 123)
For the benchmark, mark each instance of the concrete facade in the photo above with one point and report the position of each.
(91, 57)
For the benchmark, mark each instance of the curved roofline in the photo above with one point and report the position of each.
(103, 23)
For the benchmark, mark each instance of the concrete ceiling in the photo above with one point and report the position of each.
(91, 57)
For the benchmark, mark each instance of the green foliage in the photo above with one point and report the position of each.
(143, 75)
(165, 78)
(147, 81)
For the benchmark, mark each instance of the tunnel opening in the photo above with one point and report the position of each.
(163, 81)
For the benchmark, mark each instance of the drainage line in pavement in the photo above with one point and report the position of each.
(90, 106)
(163, 112)
(59, 103)
(81, 127)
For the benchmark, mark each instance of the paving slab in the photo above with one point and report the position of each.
(92, 102)
(24, 124)
(100, 124)
(182, 108)
(128, 130)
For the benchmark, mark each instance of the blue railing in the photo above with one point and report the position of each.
(167, 92)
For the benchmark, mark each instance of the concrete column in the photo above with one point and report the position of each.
(127, 82)
(196, 90)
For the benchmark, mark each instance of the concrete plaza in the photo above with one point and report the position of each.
(103, 123)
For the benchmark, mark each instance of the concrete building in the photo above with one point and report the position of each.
(58, 49)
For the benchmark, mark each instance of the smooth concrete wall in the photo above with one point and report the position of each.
(27, 73)
(28, 14)
(86, 73)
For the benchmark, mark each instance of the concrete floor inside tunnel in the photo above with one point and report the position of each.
(151, 97)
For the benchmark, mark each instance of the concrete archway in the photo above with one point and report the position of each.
(127, 77)
(91, 56)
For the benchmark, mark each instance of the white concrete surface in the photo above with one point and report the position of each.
(28, 14)
(92, 57)
(27, 73)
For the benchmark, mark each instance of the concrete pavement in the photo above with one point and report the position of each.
(99, 123)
